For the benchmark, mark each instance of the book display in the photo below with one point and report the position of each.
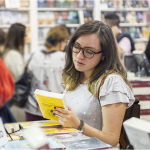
(71, 13)
(134, 17)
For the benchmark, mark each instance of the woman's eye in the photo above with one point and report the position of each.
(89, 52)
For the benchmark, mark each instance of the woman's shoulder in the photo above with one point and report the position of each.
(13, 52)
(12, 55)
(114, 82)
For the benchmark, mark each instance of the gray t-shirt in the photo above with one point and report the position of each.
(87, 107)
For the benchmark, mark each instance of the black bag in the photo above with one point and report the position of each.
(22, 88)
(133, 111)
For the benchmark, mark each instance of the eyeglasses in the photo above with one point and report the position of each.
(86, 51)
(17, 133)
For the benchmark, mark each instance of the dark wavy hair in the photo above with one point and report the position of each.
(111, 63)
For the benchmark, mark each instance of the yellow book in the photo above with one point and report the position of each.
(48, 100)
(55, 131)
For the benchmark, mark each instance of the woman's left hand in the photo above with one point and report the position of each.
(67, 118)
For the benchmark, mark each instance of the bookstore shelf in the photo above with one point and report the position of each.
(52, 25)
(133, 24)
(63, 9)
(7, 26)
(125, 9)
(15, 9)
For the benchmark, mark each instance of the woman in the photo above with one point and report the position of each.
(46, 67)
(13, 58)
(91, 55)
(14, 49)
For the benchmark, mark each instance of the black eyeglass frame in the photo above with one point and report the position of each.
(9, 134)
(72, 45)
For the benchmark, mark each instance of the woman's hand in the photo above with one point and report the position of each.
(67, 118)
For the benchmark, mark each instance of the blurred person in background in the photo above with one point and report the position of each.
(14, 49)
(125, 42)
(2, 41)
(13, 57)
(6, 92)
(147, 51)
(46, 69)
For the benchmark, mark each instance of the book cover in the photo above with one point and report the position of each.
(24, 3)
(138, 132)
(89, 3)
(23, 144)
(87, 144)
(80, 3)
(71, 4)
(61, 3)
(41, 3)
(58, 131)
(42, 124)
(48, 100)
(88, 16)
(51, 3)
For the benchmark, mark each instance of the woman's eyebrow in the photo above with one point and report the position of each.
(86, 47)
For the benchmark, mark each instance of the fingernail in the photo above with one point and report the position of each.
(53, 114)
(54, 107)
(51, 111)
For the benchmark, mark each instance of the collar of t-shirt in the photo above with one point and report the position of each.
(45, 52)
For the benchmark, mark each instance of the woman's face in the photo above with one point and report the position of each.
(81, 63)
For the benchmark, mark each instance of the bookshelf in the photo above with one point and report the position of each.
(19, 12)
(65, 12)
(138, 26)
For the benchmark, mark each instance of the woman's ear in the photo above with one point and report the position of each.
(103, 57)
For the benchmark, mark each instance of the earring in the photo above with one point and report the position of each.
(103, 58)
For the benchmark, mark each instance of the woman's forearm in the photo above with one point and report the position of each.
(104, 136)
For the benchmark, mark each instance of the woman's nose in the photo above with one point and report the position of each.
(80, 54)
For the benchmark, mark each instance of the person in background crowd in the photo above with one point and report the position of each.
(2, 41)
(96, 110)
(125, 41)
(147, 51)
(6, 92)
(46, 69)
(13, 57)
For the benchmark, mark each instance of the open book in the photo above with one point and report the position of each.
(138, 132)
(48, 100)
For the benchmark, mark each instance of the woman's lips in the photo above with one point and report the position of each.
(79, 63)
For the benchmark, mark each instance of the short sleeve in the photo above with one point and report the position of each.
(115, 90)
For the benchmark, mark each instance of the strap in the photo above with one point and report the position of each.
(26, 68)
(102, 82)
(122, 141)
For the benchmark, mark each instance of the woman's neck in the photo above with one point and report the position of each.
(84, 78)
